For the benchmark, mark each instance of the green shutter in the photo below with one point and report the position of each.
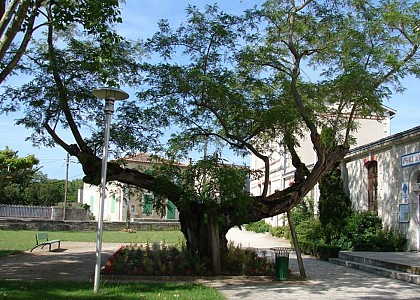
(170, 210)
(148, 204)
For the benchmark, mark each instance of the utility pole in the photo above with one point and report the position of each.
(66, 185)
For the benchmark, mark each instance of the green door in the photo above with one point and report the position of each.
(170, 210)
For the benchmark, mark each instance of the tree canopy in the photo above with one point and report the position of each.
(14, 168)
(237, 81)
(20, 19)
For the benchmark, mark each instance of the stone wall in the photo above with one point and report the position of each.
(73, 214)
(59, 225)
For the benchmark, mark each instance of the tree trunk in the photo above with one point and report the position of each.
(198, 233)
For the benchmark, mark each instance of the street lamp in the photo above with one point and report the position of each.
(110, 95)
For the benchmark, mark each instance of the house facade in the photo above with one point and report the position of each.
(123, 202)
(282, 171)
(384, 176)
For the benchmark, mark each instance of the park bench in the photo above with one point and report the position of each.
(42, 240)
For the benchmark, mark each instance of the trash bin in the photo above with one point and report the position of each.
(281, 262)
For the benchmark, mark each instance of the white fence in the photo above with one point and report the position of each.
(23, 211)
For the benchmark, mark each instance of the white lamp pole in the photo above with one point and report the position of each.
(110, 95)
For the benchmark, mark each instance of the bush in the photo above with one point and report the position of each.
(160, 259)
(334, 205)
(318, 250)
(260, 227)
(390, 241)
(303, 211)
(364, 232)
(281, 232)
(310, 230)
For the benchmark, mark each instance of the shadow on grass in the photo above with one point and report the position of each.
(78, 290)
(5, 253)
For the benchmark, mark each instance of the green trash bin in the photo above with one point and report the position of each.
(281, 262)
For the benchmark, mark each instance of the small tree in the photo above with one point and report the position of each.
(15, 169)
(334, 204)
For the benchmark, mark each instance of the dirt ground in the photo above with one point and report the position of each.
(73, 261)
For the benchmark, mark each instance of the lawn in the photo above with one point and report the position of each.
(76, 290)
(12, 241)
(16, 241)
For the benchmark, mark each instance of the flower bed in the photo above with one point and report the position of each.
(163, 260)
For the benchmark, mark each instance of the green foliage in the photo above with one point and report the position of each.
(160, 259)
(364, 232)
(94, 17)
(38, 190)
(303, 211)
(319, 250)
(234, 81)
(367, 222)
(260, 226)
(281, 232)
(14, 169)
(210, 182)
(334, 205)
(310, 230)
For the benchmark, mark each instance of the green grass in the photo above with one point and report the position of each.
(76, 290)
(12, 241)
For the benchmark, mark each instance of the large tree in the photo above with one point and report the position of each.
(237, 81)
(20, 19)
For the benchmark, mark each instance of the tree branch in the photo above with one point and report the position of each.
(62, 90)
(23, 45)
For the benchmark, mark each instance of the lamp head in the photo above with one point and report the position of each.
(110, 93)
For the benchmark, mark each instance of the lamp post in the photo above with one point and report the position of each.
(110, 95)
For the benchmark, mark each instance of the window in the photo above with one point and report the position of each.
(372, 168)
(112, 203)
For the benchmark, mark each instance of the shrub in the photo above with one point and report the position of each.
(160, 259)
(389, 241)
(303, 211)
(364, 232)
(334, 205)
(260, 226)
(280, 231)
(319, 250)
(310, 230)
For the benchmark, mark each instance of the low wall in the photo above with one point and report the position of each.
(42, 212)
(56, 225)
(72, 214)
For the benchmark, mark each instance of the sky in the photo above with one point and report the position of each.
(140, 18)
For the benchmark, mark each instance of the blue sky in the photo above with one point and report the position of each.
(140, 19)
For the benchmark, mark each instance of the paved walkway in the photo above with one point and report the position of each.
(325, 281)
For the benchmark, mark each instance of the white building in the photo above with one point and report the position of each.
(123, 202)
(384, 176)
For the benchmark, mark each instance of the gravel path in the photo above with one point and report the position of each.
(74, 261)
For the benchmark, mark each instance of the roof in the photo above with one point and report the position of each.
(389, 140)
(147, 158)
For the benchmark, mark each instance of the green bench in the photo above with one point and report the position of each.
(42, 241)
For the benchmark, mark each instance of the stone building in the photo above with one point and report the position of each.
(384, 176)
